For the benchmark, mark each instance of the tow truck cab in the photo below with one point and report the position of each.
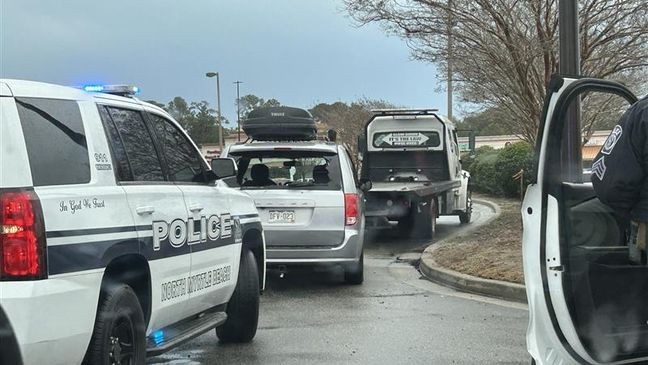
(412, 159)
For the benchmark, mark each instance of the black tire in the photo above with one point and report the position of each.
(243, 307)
(119, 335)
(465, 217)
(354, 274)
(424, 222)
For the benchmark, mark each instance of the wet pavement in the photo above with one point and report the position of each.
(311, 317)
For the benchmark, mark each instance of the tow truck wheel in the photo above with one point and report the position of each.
(464, 217)
(354, 273)
(119, 332)
(422, 224)
(243, 307)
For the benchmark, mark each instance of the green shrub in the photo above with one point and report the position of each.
(492, 170)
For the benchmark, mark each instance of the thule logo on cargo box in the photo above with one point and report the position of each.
(275, 114)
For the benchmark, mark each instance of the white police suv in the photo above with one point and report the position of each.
(117, 240)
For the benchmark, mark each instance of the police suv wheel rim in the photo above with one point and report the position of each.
(121, 342)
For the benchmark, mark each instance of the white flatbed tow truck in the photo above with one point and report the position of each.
(411, 157)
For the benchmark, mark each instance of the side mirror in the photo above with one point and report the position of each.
(224, 167)
(362, 143)
(365, 185)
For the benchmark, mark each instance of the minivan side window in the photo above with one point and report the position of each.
(55, 140)
(183, 162)
(134, 139)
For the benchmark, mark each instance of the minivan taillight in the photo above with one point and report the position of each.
(351, 209)
(22, 236)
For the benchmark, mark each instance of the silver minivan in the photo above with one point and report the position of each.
(309, 201)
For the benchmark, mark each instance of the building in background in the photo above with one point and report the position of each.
(590, 149)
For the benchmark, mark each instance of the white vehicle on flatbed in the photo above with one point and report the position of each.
(412, 159)
(117, 239)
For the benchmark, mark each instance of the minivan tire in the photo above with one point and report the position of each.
(243, 307)
(354, 273)
(119, 334)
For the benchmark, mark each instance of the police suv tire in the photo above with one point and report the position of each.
(243, 307)
(119, 322)
(354, 273)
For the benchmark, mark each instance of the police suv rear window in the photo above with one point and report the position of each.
(55, 140)
(277, 169)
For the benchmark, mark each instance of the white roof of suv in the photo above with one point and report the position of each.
(18, 88)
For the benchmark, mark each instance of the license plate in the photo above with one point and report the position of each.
(282, 216)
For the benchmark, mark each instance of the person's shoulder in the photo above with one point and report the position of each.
(642, 104)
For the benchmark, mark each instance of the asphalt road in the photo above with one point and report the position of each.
(396, 317)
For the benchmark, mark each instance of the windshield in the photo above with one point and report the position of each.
(287, 170)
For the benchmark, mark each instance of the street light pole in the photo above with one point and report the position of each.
(570, 66)
(220, 120)
(449, 60)
(238, 108)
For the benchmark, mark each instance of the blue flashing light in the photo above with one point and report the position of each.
(123, 90)
(158, 337)
(93, 88)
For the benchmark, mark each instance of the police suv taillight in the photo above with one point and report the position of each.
(351, 209)
(22, 236)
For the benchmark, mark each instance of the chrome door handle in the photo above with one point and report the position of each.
(145, 210)
(195, 208)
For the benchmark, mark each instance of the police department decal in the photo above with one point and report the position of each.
(195, 283)
(612, 139)
(178, 232)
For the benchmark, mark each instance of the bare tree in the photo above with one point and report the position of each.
(348, 120)
(505, 51)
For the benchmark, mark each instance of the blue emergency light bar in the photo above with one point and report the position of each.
(121, 90)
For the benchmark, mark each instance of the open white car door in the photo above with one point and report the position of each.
(587, 303)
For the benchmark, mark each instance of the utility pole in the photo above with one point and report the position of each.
(568, 25)
(220, 121)
(238, 108)
(449, 60)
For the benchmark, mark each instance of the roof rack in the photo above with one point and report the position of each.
(403, 111)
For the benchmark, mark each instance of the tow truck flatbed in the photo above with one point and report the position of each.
(421, 189)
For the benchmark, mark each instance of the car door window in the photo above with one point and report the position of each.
(55, 140)
(183, 161)
(131, 141)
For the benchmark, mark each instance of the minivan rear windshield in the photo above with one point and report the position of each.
(273, 169)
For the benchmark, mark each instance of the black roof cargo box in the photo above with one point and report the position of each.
(280, 123)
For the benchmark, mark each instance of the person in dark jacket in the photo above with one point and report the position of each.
(620, 176)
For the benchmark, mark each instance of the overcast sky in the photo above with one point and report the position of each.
(299, 52)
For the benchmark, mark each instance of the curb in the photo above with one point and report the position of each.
(468, 283)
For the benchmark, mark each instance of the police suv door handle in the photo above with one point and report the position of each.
(145, 210)
(195, 208)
